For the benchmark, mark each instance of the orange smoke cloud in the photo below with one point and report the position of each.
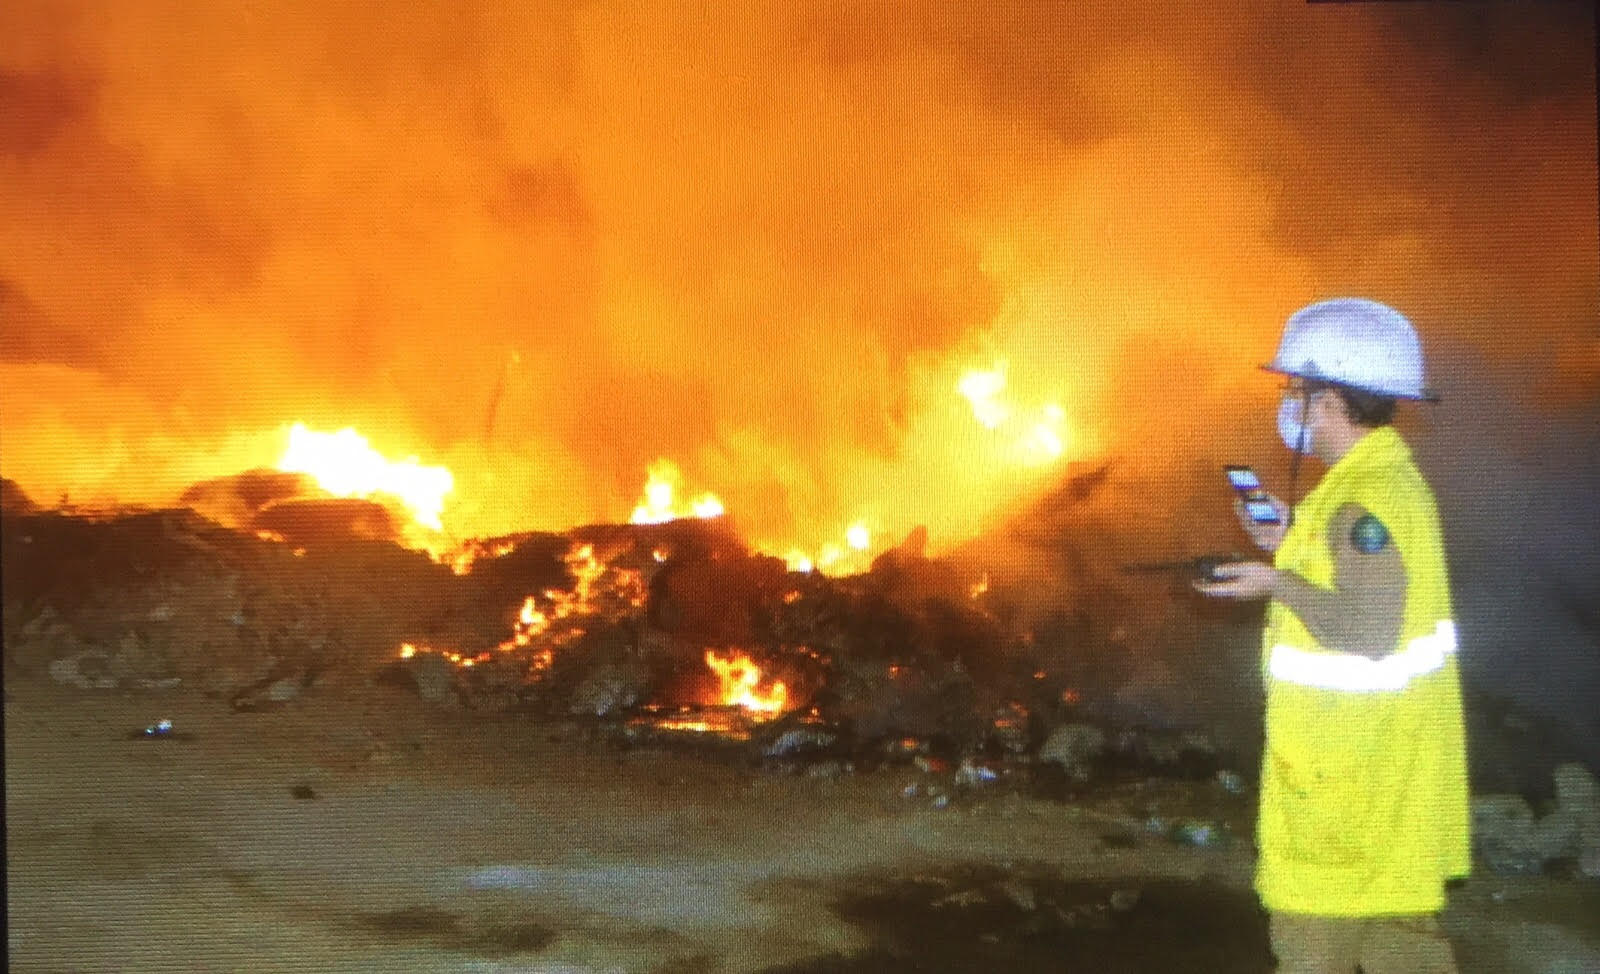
(545, 247)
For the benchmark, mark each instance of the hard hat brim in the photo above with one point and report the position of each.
(1427, 395)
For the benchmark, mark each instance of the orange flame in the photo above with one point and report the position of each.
(598, 590)
(741, 684)
(345, 465)
(1038, 435)
(462, 559)
(659, 503)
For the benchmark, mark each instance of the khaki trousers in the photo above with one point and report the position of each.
(1380, 945)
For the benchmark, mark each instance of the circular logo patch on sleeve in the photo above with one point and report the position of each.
(1368, 535)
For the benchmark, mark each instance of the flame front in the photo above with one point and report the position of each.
(659, 503)
(1037, 434)
(345, 465)
(740, 680)
(555, 618)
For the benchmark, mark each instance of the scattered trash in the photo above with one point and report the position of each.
(1123, 900)
(973, 775)
(280, 684)
(1578, 801)
(433, 675)
(928, 765)
(1076, 748)
(910, 791)
(1021, 894)
(88, 670)
(826, 769)
(1231, 782)
(1509, 839)
(609, 690)
(941, 801)
(1199, 834)
(161, 730)
(1009, 729)
(902, 747)
(1191, 832)
(799, 740)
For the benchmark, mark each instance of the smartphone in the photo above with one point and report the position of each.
(1248, 486)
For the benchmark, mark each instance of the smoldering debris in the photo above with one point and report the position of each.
(673, 635)
(609, 624)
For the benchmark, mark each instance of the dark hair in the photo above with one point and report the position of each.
(1364, 408)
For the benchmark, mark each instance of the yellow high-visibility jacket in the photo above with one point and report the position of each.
(1364, 782)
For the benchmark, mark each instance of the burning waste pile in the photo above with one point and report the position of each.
(672, 632)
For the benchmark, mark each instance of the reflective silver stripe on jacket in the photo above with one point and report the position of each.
(1358, 674)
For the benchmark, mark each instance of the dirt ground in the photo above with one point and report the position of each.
(364, 830)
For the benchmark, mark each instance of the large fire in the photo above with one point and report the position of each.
(542, 245)
(345, 464)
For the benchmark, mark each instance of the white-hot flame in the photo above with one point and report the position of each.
(740, 680)
(345, 465)
(660, 505)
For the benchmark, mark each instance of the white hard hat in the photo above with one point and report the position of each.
(1353, 342)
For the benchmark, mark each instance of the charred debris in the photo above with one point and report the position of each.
(271, 596)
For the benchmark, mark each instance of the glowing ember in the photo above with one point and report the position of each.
(730, 725)
(741, 684)
(978, 588)
(550, 620)
(345, 465)
(463, 558)
(409, 650)
(659, 504)
(625, 590)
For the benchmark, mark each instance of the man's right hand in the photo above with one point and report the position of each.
(1266, 536)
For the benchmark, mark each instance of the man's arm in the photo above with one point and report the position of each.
(1364, 611)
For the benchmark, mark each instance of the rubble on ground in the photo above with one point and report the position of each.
(901, 666)
(1511, 839)
(1076, 748)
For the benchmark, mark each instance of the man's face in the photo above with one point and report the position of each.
(1323, 412)
(1307, 402)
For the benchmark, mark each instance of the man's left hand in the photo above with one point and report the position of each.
(1241, 580)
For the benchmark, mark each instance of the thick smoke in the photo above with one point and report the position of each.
(547, 243)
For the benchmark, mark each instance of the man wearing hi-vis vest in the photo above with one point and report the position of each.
(1363, 812)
